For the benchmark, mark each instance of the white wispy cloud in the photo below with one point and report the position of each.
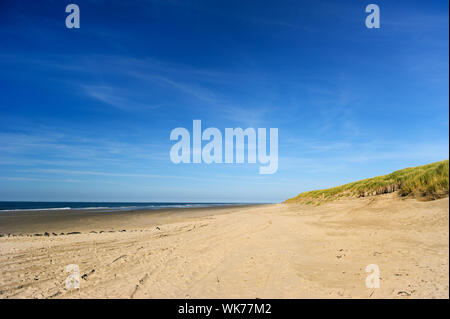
(117, 97)
(33, 179)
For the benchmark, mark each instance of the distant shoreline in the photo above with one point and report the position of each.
(19, 206)
(25, 222)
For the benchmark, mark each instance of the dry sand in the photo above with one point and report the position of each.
(270, 251)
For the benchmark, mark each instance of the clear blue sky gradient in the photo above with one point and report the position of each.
(85, 115)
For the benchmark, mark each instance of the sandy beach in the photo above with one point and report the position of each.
(261, 251)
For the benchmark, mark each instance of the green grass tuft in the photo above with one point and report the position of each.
(425, 182)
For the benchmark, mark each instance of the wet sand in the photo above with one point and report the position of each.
(85, 220)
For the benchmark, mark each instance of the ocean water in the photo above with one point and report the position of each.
(31, 206)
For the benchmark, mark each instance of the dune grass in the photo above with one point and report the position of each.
(425, 182)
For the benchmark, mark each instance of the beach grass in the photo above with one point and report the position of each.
(425, 182)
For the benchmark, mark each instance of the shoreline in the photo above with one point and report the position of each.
(27, 222)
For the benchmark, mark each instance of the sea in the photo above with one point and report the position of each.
(8, 206)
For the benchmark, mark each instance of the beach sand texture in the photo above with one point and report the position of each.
(262, 251)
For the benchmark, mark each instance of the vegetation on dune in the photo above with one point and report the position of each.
(425, 182)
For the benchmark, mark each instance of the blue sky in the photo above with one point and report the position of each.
(86, 114)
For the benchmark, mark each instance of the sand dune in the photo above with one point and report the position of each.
(269, 251)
